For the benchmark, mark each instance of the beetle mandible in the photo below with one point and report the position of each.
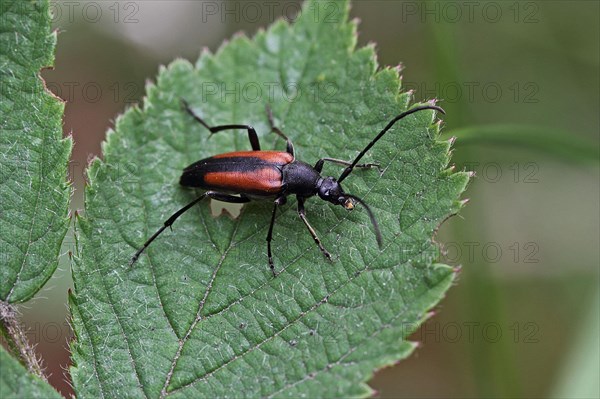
(241, 176)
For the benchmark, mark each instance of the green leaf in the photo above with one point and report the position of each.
(33, 165)
(17, 382)
(200, 314)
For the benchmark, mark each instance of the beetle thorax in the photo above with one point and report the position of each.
(300, 178)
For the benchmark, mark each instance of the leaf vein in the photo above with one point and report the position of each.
(198, 314)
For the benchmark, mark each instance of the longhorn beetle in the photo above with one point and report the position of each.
(272, 175)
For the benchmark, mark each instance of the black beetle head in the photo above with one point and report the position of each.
(330, 190)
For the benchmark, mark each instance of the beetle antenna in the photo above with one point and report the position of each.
(348, 170)
(372, 216)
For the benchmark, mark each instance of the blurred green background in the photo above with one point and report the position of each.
(520, 84)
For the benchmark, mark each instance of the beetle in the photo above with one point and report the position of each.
(242, 176)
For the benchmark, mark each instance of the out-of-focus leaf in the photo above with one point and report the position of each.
(568, 146)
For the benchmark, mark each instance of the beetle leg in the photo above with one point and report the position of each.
(289, 144)
(173, 218)
(278, 201)
(252, 136)
(320, 162)
(167, 223)
(302, 215)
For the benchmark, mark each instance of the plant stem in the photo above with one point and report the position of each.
(17, 340)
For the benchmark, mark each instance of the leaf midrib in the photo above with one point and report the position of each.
(198, 313)
(35, 209)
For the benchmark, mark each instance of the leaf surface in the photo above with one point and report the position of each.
(200, 314)
(33, 164)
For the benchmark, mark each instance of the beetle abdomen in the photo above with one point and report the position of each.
(243, 172)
